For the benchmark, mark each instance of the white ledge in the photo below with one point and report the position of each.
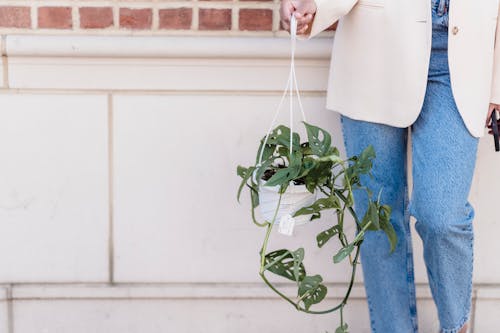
(163, 46)
(198, 291)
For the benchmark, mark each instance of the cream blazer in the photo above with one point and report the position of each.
(381, 52)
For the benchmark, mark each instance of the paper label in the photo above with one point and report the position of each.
(287, 222)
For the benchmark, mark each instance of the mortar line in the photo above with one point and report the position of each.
(110, 191)
(34, 16)
(155, 18)
(5, 62)
(235, 18)
(10, 310)
(225, 284)
(473, 315)
(133, 92)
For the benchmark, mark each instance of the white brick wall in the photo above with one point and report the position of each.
(118, 184)
(54, 193)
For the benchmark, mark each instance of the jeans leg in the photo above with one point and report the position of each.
(388, 278)
(443, 161)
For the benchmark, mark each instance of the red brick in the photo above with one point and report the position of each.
(15, 17)
(55, 17)
(214, 19)
(256, 19)
(175, 18)
(132, 18)
(96, 17)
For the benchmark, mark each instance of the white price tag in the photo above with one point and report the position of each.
(287, 222)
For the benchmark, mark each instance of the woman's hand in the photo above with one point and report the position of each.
(303, 10)
(488, 117)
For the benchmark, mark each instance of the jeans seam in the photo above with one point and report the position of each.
(372, 321)
(462, 323)
(468, 310)
(409, 250)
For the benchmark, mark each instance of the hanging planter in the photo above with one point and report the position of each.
(286, 183)
(295, 197)
(294, 187)
(293, 183)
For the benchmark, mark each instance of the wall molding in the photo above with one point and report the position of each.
(163, 46)
(220, 290)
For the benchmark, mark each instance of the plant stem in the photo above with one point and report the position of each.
(263, 256)
(253, 208)
(266, 238)
(255, 220)
(351, 210)
(354, 263)
(342, 316)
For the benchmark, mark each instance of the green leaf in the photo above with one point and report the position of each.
(372, 214)
(241, 171)
(333, 151)
(333, 158)
(281, 136)
(343, 252)
(283, 262)
(318, 175)
(254, 195)
(365, 159)
(244, 173)
(268, 149)
(319, 205)
(349, 199)
(306, 149)
(362, 164)
(316, 292)
(264, 166)
(319, 146)
(281, 176)
(285, 175)
(283, 151)
(296, 161)
(308, 164)
(342, 329)
(325, 236)
(278, 138)
(358, 238)
(387, 227)
(298, 256)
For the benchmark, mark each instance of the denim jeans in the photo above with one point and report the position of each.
(443, 162)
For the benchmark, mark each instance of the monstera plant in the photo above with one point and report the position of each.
(294, 183)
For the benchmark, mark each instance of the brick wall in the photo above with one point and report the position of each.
(219, 17)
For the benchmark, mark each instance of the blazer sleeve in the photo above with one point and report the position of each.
(327, 13)
(495, 87)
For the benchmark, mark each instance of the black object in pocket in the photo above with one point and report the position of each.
(494, 129)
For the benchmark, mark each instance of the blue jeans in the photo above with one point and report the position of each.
(443, 162)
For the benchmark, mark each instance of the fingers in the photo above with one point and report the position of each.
(302, 30)
(304, 23)
(286, 9)
(304, 6)
(490, 111)
(488, 116)
(303, 19)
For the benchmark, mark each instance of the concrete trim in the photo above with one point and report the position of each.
(172, 291)
(163, 46)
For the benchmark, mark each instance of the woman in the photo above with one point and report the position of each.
(392, 71)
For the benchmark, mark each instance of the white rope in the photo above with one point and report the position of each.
(292, 80)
